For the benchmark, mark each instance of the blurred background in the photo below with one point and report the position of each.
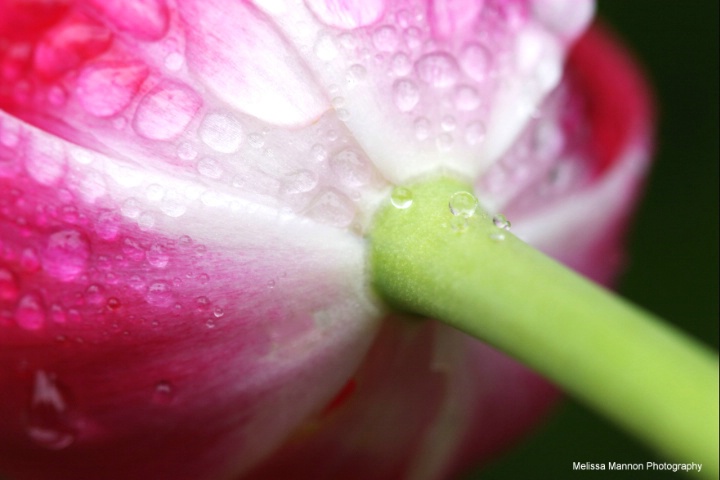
(673, 261)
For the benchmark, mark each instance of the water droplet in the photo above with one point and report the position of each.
(154, 192)
(113, 304)
(218, 312)
(174, 61)
(300, 182)
(173, 204)
(333, 208)
(221, 132)
(463, 204)
(459, 224)
(422, 128)
(8, 285)
(355, 75)
(202, 303)
(385, 39)
(165, 112)
(350, 168)
(319, 153)
(210, 323)
(57, 95)
(164, 393)
(448, 123)
(137, 283)
(130, 208)
(210, 168)
(203, 278)
(29, 260)
(401, 64)
(95, 295)
(466, 98)
(160, 294)
(47, 417)
(256, 140)
(497, 236)
(475, 133)
(66, 254)
(185, 241)
(413, 37)
(187, 151)
(325, 47)
(475, 61)
(157, 257)
(30, 313)
(57, 314)
(132, 249)
(405, 95)
(401, 197)
(106, 88)
(500, 221)
(444, 141)
(437, 69)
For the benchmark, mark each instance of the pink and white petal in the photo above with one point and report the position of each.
(418, 100)
(131, 336)
(575, 203)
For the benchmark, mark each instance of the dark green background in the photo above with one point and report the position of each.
(673, 269)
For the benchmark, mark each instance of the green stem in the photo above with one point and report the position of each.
(618, 359)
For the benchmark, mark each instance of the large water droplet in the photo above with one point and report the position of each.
(300, 182)
(66, 254)
(333, 208)
(475, 133)
(463, 204)
(422, 128)
(401, 64)
(157, 257)
(221, 132)
(174, 61)
(173, 204)
(437, 69)
(459, 223)
(105, 89)
(350, 168)
(466, 98)
(356, 74)
(209, 167)
(385, 39)
(160, 294)
(325, 47)
(475, 61)
(319, 153)
(405, 95)
(165, 112)
(29, 260)
(401, 197)
(30, 312)
(95, 295)
(47, 417)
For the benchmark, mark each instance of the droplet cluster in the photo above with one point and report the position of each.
(439, 81)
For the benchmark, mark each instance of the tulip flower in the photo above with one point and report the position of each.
(222, 222)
